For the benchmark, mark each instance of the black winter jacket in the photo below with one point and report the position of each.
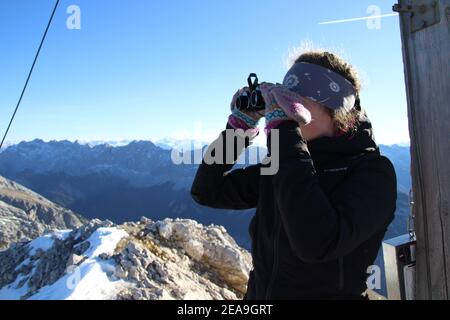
(320, 220)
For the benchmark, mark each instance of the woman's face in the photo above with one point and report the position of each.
(321, 124)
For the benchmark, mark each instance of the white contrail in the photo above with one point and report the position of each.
(360, 18)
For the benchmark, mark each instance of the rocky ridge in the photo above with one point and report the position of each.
(25, 215)
(170, 259)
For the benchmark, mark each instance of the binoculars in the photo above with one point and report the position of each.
(251, 99)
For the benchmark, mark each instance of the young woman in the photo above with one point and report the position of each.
(321, 218)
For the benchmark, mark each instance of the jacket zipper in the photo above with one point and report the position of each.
(276, 241)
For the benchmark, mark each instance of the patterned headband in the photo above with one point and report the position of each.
(321, 85)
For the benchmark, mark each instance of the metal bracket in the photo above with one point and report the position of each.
(422, 15)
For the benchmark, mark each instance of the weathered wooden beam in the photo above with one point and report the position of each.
(426, 54)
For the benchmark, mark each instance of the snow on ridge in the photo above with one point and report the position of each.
(46, 242)
(170, 259)
(85, 280)
(90, 280)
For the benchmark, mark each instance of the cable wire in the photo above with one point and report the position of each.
(29, 74)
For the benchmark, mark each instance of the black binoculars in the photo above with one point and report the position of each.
(251, 99)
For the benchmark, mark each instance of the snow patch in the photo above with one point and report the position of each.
(13, 291)
(91, 280)
(44, 243)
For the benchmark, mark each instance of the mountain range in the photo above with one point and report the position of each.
(125, 181)
(116, 183)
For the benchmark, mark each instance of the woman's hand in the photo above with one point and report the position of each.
(245, 120)
(283, 105)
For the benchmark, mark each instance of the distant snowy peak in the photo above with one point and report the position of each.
(114, 144)
(85, 143)
(182, 145)
(165, 143)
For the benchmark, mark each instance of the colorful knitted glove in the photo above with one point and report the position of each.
(247, 121)
(283, 105)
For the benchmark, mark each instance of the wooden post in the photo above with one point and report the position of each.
(425, 31)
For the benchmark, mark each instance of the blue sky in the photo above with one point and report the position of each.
(141, 69)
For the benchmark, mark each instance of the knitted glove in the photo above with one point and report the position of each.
(247, 121)
(283, 105)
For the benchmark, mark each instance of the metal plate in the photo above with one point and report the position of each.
(423, 14)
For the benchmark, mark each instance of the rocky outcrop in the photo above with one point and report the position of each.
(25, 215)
(170, 259)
